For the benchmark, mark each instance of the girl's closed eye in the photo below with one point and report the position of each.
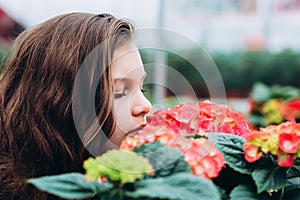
(120, 89)
(120, 94)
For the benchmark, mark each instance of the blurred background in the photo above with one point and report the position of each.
(251, 41)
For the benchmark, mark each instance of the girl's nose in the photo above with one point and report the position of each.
(142, 105)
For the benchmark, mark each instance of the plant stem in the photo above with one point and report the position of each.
(119, 190)
(282, 192)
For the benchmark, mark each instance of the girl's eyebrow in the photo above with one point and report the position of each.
(127, 79)
(121, 80)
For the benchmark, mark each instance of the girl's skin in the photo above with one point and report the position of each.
(130, 104)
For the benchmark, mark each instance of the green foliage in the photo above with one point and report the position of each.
(252, 180)
(70, 186)
(261, 93)
(294, 171)
(266, 109)
(181, 186)
(292, 195)
(231, 147)
(239, 70)
(177, 186)
(165, 160)
(247, 192)
(237, 170)
(263, 179)
(172, 181)
(117, 166)
(269, 176)
(253, 66)
(292, 190)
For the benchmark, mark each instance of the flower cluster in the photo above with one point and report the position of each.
(291, 110)
(186, 145)
(273, 105)
(184, 127)
(282, 140)
(122, 166)
(204, 159)
(277, 110)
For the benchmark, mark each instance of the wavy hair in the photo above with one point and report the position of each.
(38, 135)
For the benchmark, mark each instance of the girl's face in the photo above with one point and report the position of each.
(130, 104)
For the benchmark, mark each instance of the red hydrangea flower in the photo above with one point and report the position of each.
(289, 143)
(221, 118)
(285, 160)
(281, 140)
(252, 152)
(291, 110)
(173, 126)
(205, 160)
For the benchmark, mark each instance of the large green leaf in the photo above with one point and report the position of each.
(269, 176)
(223, 193)
(231, 147)
(180, 186)
(292, 189)
(294, 171)
(229, 179)
(247, 192)
(69, 186)
(165, 160)
(292, 194)
(292, 184)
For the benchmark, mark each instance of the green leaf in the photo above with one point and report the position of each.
(292, 194)
(284, 92)
(236, 178)
(257, 119)
(231, 146)
(223, 194)
(269, 176)
(260, 92)
(292, 189)
(165, 160)
(69, 186)
(292, 184)
(294, 171)
(180, 186)
(247, 192)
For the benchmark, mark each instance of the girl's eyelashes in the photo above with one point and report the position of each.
(124, 93)
(119, 95)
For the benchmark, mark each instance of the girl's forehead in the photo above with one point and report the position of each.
(127, 62)
(123, 50)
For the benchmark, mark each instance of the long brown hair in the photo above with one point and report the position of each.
(38, 135)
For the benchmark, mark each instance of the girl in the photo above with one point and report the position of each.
(71, 89)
